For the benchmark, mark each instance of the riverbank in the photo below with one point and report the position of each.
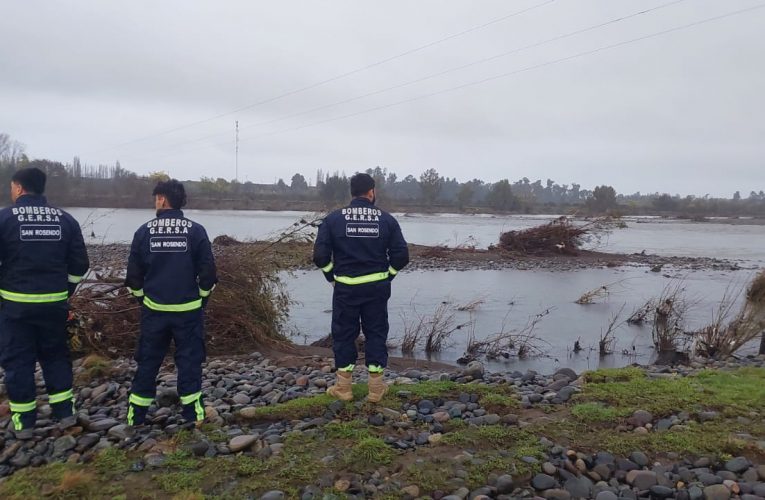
(297, 256)
(686, 432)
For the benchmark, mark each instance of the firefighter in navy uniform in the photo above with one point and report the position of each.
(360, 249)
(171, 271)
(42, 259)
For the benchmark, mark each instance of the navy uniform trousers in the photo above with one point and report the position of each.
(28, 334)
(366, 307)
(186, 330)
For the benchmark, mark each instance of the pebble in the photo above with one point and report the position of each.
(273, 495)
(641, 479)
(543, 482)
(240, 443)
(716, 492)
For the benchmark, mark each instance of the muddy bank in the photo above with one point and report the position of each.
(297, 256)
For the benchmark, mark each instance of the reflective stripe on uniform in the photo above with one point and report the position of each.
(328, 267)
(74, 279)
(360, 280)
(22, 407)
(16, 419)
(205, 293)
(392, 271)
(188, 306)
(348, 368)
(131, 415)
(198, 409)
(185, 400)
(137, 293)
(375, 369)
(140, 401)
(61, 397)
(34, 298)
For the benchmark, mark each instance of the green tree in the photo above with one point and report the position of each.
(334, 189)
(161, 175)
(501, 197)
(298, 183)
(464, 196)
(664, 203)
(603, 198)
(430, 184)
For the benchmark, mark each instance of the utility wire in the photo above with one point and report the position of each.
(500, 76)
(430, 76)
(331, 79)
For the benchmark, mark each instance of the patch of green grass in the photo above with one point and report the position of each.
(181, 459)
(431, 389)
(176, 482)
(112, 461)
(250, 466)
(614, 375)
(502, 401)
(594, 412)
(311, 406)
(353, 429)
(214, 433)
(732, 392)
(494, 435)
(661, 397)
(369, 452)
(479, 472)
(28, 483)
(697, 439)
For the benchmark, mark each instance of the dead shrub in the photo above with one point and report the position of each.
(522, 342)
(641, 314)
(432, 332)
(730, 332)
(669, 315)
(607, 340)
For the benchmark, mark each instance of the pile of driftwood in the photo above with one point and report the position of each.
(246, 311)
(560, 236)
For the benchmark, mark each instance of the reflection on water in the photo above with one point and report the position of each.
(511, 297)
(652, 235)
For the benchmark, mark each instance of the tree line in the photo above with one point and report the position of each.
(78, 184)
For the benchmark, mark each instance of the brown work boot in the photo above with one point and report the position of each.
(342, 389)
(377, 388)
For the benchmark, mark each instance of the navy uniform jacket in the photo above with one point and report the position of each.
(171, 264)
(360, 244)
(42, 253)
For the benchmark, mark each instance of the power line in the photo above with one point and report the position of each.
(332, 79)
(433, 75)
(503, 75)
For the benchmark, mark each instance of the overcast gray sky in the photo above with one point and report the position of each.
(683, 112)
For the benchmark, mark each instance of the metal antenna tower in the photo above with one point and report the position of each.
(237, 151)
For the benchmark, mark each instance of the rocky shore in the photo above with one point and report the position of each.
(656, 432)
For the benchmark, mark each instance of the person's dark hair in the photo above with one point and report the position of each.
(173, 191)
(31, 179)
(361, 184)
